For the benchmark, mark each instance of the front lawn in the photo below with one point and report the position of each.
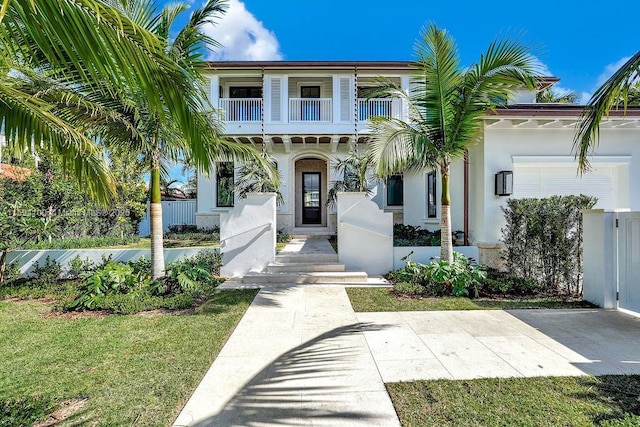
(544, 401)
(383, 299)
(132, 370)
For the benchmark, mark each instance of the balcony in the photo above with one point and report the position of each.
(390, 108)
(310, 110)
(241, 109)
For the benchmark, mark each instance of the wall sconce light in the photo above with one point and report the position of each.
(504, 183)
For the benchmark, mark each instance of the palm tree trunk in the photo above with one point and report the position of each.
(446, 243)
(155, 215)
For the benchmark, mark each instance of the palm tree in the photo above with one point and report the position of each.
(616, 92)
(356, 174)
(73, 45)
(162, 140)
(445, 109)
(551, 96)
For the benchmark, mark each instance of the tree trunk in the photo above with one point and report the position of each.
(3, 265)
(446, 243)
(155, 216)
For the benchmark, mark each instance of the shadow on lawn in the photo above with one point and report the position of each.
(224, 301)
(623, 391)
(304, 384)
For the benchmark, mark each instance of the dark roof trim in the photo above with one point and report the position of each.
(400, 65)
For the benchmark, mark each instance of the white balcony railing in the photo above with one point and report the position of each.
(241, 109)
(310, 109)
(383, 107)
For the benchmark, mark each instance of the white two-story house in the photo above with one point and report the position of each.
(308, 114)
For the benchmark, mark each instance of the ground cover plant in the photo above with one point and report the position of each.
(126, 370)
(544, 401)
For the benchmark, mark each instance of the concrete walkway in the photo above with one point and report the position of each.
(301, 356)
(297, 357)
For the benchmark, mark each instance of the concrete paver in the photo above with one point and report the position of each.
(300, 356)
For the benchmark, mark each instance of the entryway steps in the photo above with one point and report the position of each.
(298, 258)
(307, 277)
(280, 267)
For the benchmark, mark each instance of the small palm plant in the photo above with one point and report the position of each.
(254, 178)
(356, 174)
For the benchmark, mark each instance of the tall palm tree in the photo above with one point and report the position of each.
(446, 108)
(161, 138)
(72, 43)
(615, 93)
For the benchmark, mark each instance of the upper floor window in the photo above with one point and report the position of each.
(395, 190)
(310, 92)
(224, 184)
(431, 195)
(245, 92)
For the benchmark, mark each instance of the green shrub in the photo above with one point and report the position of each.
(439, 278)
(408, 289)
(411, 235)
(183, 228)
(505, 283)
(77, 266)
(629, 420)
(48, 274)
(543, 241)
(83, 242)
(11, 274)
(282, 236)
(25, 411)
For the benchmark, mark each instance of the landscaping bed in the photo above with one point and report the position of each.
(544, 401)
(130, 369)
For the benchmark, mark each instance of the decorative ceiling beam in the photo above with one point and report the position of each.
(286, 141)
(335, 140)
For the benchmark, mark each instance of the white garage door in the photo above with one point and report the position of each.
(545, 181)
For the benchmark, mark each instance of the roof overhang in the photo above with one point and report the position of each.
(525, 116)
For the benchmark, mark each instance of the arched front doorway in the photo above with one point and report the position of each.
(310, 192)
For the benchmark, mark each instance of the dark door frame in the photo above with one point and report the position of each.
(312, 215)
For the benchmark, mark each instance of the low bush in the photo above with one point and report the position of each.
(77, 266)
(411, 235)
(47, 274)
(126, 288)
(440, 278)
(508, 284)
(282, 236)
(83, 242)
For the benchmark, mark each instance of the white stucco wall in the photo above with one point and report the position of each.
(618, 147)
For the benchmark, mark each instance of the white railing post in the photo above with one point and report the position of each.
(310, 109)
(241, 109)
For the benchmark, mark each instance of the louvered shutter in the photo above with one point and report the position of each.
(275, 94)
(346, 107)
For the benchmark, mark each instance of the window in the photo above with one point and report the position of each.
(309, 91)
(431, 195)
(224, 182)
(245, 92)
(395, 191)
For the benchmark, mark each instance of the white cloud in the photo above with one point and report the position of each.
(610, 69)
(243, 37)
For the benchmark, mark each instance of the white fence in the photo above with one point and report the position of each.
(242, 109)
(391, 108)
(310, 109)
(612, 259)
(178, 212)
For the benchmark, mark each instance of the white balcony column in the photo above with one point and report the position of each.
(284, 102)
(336, 98)
(405, 84)
(214, 90)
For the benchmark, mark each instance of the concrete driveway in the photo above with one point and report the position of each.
(300, 356)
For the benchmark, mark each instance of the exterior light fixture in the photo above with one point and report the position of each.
(504, 183)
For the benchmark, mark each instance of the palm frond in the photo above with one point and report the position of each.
(606, 98)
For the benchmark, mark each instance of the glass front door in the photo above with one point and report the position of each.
(311, 211)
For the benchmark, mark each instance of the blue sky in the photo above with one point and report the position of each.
(578, 42)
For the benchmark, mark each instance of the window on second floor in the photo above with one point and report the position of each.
(395, 190)
(245, 92)
(224, 184)
(432, 204)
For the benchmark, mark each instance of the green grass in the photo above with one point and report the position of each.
(382, 299)
(543, 401)
(134, 370)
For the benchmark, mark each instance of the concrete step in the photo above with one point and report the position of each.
(278, 267)
(307, 277)
(295, 257)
